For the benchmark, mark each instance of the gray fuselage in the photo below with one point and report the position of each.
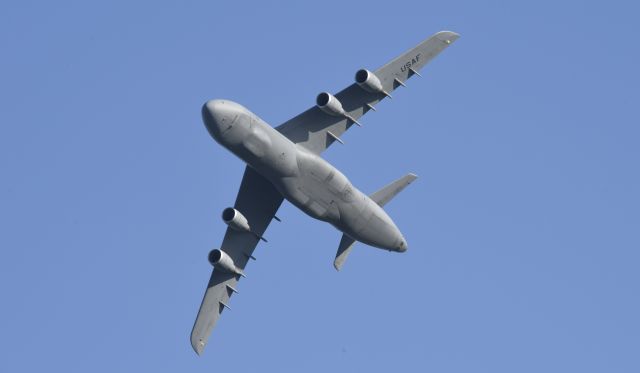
(305, 179)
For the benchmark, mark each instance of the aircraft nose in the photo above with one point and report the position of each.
(216, 117)
(402, 246)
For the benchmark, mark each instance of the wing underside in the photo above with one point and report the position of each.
(258, 201)
(316, 130)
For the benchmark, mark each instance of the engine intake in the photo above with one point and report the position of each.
(369, 81)
(234, 219)
(223, 262)
(330, 105)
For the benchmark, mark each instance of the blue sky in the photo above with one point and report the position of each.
(523, 228)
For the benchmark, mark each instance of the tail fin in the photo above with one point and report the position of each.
(381, 197)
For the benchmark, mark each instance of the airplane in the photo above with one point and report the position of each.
(285, 163)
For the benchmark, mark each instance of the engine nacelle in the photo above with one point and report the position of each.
(369, 81)
(234, 219)
(223, 262)
(330, 105)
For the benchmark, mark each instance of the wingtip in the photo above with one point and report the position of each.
(411, 177)
(197, 350)
(198, 346)
(447, 36)
(337, 265)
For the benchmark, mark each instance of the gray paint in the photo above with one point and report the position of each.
(303, 178)
(380, 197)
(309, 128)
(285, 163)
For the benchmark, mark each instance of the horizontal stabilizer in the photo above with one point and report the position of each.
(346, 244)
(387, 193)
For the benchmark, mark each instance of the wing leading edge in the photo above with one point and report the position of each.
(315, 130)
(258, 201)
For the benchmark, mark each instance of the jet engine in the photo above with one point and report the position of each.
(330, 105)
(223, 262)
(235, 220)
(369, 81)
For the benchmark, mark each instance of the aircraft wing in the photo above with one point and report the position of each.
(258, 201)
(316, 130)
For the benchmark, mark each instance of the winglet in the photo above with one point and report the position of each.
(346, 244)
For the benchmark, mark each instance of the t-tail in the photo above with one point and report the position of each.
(380, 197)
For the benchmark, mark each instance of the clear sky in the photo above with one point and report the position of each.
(523, 228)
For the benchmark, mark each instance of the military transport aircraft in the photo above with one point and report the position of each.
(285, 163)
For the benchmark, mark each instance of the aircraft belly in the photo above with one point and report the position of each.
(312, 184)
(354, 216)
(311, 200)
(267, 151)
